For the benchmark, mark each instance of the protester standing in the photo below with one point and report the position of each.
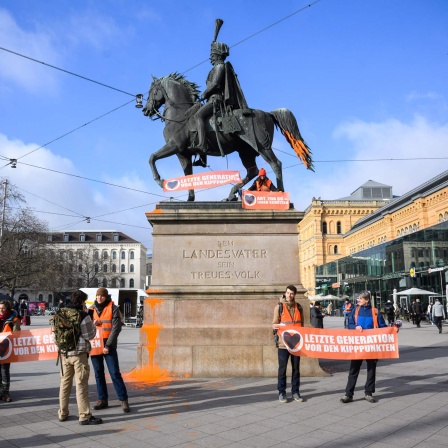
(438, 314)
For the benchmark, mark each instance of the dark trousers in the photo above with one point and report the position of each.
(418, 319)
(438, 322)
(283, 357)
(114, 371)
(355, 366)
(346, 317)
(5, 378)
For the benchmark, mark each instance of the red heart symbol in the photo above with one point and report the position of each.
(4, 346)
(291, 340)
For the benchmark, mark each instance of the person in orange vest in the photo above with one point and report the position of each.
(347, 309)
(288, 312)
(9, 322)
(107, 316)
(363, 317)
(262, 183)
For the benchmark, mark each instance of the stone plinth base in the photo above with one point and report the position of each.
(218, 272)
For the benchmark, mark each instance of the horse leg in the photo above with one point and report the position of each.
(188, 171)
(247, 156)
(165, 151)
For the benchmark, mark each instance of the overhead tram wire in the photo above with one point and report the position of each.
(67, 71)
(76, 129)
(123, 91)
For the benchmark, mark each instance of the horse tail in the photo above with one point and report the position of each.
(287, 123)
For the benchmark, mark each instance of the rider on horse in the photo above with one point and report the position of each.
(223, 94)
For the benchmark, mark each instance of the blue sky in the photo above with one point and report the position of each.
(365, 79)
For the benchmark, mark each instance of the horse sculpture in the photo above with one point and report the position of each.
(253, 135)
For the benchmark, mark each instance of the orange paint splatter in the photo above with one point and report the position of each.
(150, 373)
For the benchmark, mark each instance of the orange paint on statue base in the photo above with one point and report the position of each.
(150, 373)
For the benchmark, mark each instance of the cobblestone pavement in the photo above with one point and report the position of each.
(412, 407)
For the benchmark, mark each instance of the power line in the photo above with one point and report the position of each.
(66, 71)
(76, 129)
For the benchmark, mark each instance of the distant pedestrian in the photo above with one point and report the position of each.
(438, 314)
(429, 313)
(389, 310)
(347, 308)
(418, 311)
(316, 316)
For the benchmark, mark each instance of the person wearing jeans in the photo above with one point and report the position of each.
(106, 314)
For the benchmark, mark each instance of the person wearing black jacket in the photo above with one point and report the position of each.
(316, 316)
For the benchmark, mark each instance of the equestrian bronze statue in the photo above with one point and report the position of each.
(224, 124)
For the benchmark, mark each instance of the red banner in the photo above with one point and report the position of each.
(36, 345)
(265, 200)
(340, 344)
(203, 180)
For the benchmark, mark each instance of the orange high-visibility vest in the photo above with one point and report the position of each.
(374, 316)
(106, 319)
(348, 308)
(285, 317)
(263, 187)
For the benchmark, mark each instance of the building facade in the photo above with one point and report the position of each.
(401, 245)
(321, 232)
(99, 258)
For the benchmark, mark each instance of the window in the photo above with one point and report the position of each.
(122, 283)
(66, 237)
(96, 268)
(123, 255)
(80, 268)
(79, 282)
(131, 268)
(104, 283)
(324, 227)
(131, 283)
(116, 237)
(82, 238)
(99, 237)
(96, 255)
(114, 268)
(105, 255)
(79, 254)
(114, 283)
(114, 255)
(104, 267)
(95, 283)
(335, 249)
(339, 227)
(50, 237)
(123, 269)
(70, 255)
(132, 255)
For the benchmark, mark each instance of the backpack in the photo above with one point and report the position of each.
(67, 329)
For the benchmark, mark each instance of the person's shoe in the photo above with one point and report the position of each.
(63, 419)
(91, 421)
(6, 397)
(125, 406)
(297, 397)
(370, 399)
(346, 399)
(282, 398)
(101, 404)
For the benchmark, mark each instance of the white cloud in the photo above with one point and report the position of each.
(423, 96)
(388, 141)
(35, 44)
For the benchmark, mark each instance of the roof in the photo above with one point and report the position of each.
(90, 236)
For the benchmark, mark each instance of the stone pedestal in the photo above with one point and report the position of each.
(218, 272)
